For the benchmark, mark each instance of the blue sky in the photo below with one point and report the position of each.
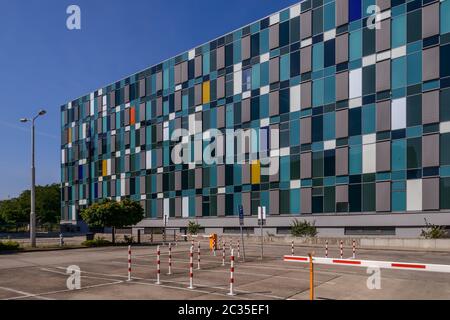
(44, 65)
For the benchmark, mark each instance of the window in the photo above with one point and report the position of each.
(414, 153)
(247, 79)
(398, 155)
(444, 192)
(398, 115)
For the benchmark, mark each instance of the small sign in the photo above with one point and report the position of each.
(241, 215)
(262, 215)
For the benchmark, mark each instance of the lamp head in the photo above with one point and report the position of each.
(23, 120)
(42, 112)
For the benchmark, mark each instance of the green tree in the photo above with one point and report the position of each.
(193, 227)
(113, 214)
(303, 229)
(13, 212)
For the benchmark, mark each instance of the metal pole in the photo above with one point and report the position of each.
(262, 239)
(243, 247)
(33, 192)
(311, 277)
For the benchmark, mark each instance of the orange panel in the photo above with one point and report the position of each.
(256, 172)
(206, 92)
(132, 116)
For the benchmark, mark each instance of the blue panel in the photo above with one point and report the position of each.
(354, 10)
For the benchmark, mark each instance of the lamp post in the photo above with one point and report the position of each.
(33, 180)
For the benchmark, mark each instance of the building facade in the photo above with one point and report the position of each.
(348, 114)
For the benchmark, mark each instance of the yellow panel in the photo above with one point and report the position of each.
(206, 93)
(256, 172)
(69, 138)
(105, 168)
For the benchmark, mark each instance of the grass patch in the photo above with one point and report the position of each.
(99, 242)
(9, 245)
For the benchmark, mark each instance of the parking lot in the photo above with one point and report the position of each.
(42, 275)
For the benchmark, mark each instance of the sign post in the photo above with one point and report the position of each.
(241, 224)
(165, 217)
(262, 221)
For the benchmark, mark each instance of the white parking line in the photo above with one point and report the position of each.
(23, 294)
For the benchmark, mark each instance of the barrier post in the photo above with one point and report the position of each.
(158, 265)
(239, 249)
(326, 248)
(170, 259)
(198, 256)
(231, 293)
(214, 247)
(342, 249)
(292, 247)
(191, 268)
(129, 263)
(311, 277)
(223, 255)
(231, 244)
(354, 249)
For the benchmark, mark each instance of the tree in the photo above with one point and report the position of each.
(303, 229)
(433, 231)
(113, 214)
(193, 227)
(13, 213)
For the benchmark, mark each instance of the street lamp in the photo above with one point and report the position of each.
(33, 180)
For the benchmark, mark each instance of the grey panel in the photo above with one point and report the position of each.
(342, 161)
(341, 12)
(221, 117)
(127, 186)
(305, 25)
(220, 175)
(177, 100)
(342, 124)
(220, 58)
(383, 196)
(383, 71)
(127, 163)
(245, 50)
(383, 36)
(198, 94)
(245, 110)
(305, 200)
(198, 66)
(198, 206)
(112, 121)
(159, 104)
(274, 103)
(274, 207)
(274, 33)
(142, 136)
(342, 193)
(383, 4)
(430, 20)
(178, 207)
(220, 205)
(383, 110)
(112, 101)
(142, 159)
(246, 173)
(142, 184)
(159, 182)
(305, 59)
(305, 96)
(274, 66)
(142, 88)
(178, 180)
(159, 132)
(305, 165)
(246, 203)
(159, 208)
(220, 87)
(113, 188)
(113, 144)
(342, 86)
(430, 150)
(430, 107)
(198, 178)
(305, 130)
(430, 194)
(177, 74)
(275, 162)
(342, 48)
(158, 158)
(383, 156)
(184, 71)
(126, 94)
(159, 81)
(430, 64)
(141, 112)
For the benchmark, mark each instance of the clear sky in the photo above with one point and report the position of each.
(44, 65)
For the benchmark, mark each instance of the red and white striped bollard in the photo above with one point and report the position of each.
(158, 265)
(342, 249)
(129, 263)
(292, 247)
(239, 249)
(191, 268)
(354, 249)
(198, 256)
(326, 248)
(214, 247)
(170, 259)
(231, 293)
(223, 255)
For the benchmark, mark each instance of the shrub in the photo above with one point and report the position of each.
(9, 246)
(433, 231)
(193, 227)
(128, 239)
(303, 229)
(99, 242)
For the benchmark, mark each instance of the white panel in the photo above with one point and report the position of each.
(237, 79)
(264, 58)
(355, 83)
(122, 187)
(329, 145)
(369, 60)
(191, 54)
(295, 11)
(185, 213)
(306, 42)
(274, 18)
(398, 52)
(369, 138)
(369, 158)
(74, 214)
(148, 160)
(191, 124)
(108, 167)
(398, 113)
(295, 98)
(166, 207)
(384, 55)
(414, 195)
(264, 90)
(330, 34)
(445, 127)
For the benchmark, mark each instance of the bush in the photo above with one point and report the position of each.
(303, 229)
(193, 227)
(9, 246)
(433, 231)
(128, 239)
(99, 242)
